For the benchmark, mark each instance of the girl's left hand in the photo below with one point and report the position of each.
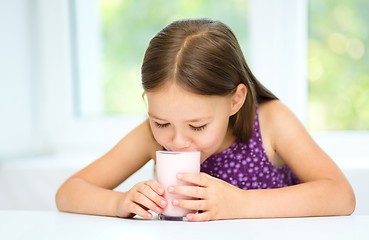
(217, 198)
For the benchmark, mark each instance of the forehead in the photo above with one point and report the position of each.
(173, 102)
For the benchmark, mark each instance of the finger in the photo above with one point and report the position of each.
(190, 191)
(200, 179)
(156, 186)
(193, 217)
(190, 204)
(147, 190)
(143, 200)
(139, 210)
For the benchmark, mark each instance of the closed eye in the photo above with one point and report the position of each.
(200, 128)
(158, 125)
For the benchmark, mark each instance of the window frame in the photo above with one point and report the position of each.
(60, 128)
(283, 23)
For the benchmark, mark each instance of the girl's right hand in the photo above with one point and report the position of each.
(143, 196)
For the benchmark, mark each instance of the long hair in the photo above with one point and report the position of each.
(204, 57)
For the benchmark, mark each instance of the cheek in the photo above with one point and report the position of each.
(208, 146)
(163, 137)
(209, 143)
(159, 137)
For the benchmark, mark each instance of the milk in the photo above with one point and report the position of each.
(168, 164)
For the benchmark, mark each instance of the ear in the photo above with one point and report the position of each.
(238, 98)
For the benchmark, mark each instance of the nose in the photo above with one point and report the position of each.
(180, 141)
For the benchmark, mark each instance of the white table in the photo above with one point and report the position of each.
(55, 225)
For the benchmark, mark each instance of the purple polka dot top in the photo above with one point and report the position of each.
(246, 165)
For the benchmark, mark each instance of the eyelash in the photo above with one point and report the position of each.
(198, 128)
(158, 125)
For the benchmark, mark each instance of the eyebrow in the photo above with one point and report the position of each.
(189, 120)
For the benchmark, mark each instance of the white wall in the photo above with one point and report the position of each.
(278, 47)
(16, 79)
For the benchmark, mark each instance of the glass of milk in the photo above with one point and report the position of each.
(168, 164)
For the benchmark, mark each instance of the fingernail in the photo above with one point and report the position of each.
(149, 215)
(179, 176)
(170, 189)
(160, 190)
(175, 202)
(163, 203)
(157, 210)
(189, 217)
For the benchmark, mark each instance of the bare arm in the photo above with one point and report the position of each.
(90, 191)
(324, 189)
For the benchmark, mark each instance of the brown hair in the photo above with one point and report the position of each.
(204, 57)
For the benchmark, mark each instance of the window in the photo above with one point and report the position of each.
(274, 37)
(338, 65)
(109, 48)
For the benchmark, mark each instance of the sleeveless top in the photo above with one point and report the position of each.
(246, 165)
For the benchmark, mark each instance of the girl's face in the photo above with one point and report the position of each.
(184, 121)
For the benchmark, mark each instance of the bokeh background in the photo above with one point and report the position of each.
(338, 56)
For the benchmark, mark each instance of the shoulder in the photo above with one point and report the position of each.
(274, 109)
(137, 147)
(278, 123)
(127, 156)
(274, 114)
(141, 138)
(285, 134)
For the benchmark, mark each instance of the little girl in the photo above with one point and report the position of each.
(257, 159)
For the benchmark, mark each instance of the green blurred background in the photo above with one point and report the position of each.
(129, 25)
(338, 71)
(338, 65)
